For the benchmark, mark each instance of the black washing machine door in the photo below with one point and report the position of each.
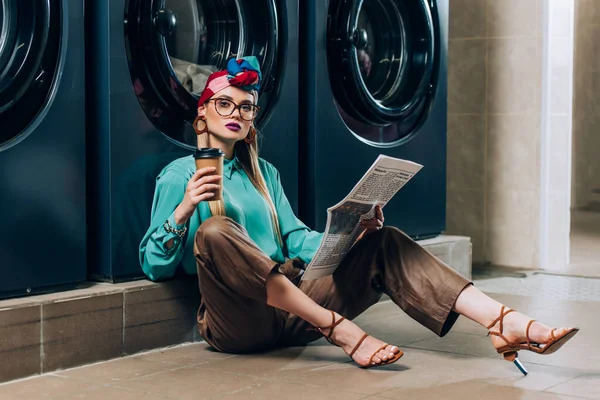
(30, 32)
(174, 45)
(383, 61)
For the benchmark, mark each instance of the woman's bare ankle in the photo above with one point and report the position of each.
(346, 332)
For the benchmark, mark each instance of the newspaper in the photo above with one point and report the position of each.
(380, 183)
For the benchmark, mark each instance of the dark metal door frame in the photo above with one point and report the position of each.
(30, 40)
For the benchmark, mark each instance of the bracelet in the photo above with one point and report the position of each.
(178, 232)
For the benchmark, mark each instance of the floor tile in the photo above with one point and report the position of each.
(399, 331)
(291, 391)
(119, 370)
(541, 284)
(577, 358)
(571, 313)
(352, 378)
(525, 304)
(540, 378)
(283, 363)
(187, 354)
(45, 387)
(108, 392)
(417, 369)
(189, 383)
(459, 343)
(587, 386)
(470, 389)
(465, 325)
(385, 309)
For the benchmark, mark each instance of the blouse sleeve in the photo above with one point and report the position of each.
(299, 240)
(158, 262)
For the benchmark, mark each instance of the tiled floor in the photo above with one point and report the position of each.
(463, 365)
(544, 284)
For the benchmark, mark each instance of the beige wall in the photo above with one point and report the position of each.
(494, 114)
(586, 107)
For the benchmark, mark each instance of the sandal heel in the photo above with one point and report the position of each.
(521, 367)
(509, 350)
(510, 355)
(514, 357)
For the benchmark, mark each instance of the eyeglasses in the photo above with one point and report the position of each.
(226, 108)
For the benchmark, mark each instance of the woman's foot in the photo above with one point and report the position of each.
(514, 329)
(347, 335)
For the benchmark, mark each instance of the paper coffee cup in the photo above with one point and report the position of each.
(208, 157)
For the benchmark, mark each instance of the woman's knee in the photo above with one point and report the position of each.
(388, 232)
(394, 232)
(212, 231)
(394, 237)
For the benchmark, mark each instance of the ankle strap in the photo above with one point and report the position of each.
(366, 335)
(334, 323)
(527, 332)
(500, 318)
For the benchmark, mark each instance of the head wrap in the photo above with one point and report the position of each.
(243, 73)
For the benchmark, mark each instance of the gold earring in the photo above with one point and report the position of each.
(251, 135)
(195, 125)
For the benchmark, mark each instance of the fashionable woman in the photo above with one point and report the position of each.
(249, 251)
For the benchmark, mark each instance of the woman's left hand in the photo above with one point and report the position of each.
(374, 224)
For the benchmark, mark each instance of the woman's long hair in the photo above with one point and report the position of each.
(247, 154)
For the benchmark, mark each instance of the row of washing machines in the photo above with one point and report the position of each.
(96, 97)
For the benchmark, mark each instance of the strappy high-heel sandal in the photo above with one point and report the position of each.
(510, 350)
(335, 323)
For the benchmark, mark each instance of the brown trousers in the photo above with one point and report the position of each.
(232, 271)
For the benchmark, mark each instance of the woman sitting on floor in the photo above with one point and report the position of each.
(249, 251)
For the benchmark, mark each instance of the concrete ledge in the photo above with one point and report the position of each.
(95, 322)
(101, 321)
(456, 251)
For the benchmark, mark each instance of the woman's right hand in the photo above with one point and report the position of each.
(199, 188)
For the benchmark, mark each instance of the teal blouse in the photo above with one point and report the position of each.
(243, 203)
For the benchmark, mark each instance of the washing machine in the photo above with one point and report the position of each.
(42, 146)
(374, 82)
(150, 60)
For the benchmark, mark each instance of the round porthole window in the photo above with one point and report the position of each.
(30, 32)
(174, 45)
(383, 66)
